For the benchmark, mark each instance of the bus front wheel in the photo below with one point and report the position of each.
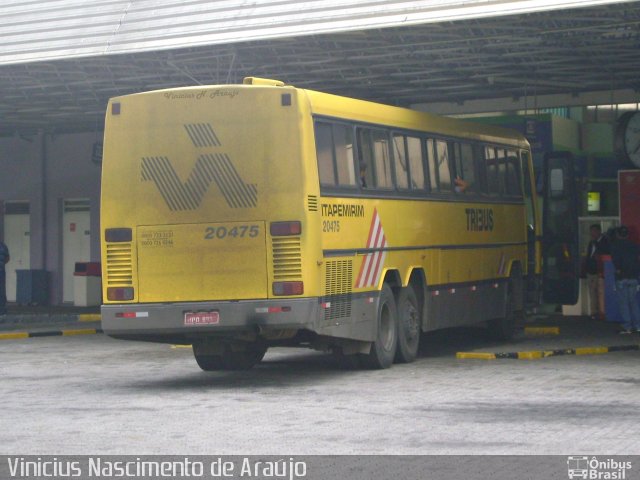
(383, 350)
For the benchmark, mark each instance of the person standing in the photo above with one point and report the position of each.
(626, 260)
(598, 246)
(4, 259)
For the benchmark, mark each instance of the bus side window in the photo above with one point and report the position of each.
(493, 185)
(431, 162)
(324, 153)
(365, 158)
(513, 182)
(443, 167)
(401, 163)
(502, 170)
(416, 165)
(382, 158)
(481, 168)
(465, 168)
(343, 145)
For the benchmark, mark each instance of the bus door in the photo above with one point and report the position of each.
(560, 252)
(532, 279)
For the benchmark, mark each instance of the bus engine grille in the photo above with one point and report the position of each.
(287, 258)
(119, 265)
(338, 288)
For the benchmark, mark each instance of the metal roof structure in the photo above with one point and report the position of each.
(59, 76)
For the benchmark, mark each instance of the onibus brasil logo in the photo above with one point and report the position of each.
(595, 468)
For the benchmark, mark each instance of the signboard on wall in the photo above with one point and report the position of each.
(629, 187)
(593, 201)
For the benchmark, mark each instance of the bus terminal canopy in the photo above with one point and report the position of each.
(62, 59)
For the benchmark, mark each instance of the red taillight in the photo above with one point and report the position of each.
(119, 294)
(282, 229)
(288, 288)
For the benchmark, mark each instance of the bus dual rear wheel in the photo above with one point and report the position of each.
(230, 359)
(383, 350)
(409, 319)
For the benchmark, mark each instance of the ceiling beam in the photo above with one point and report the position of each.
(507, 104)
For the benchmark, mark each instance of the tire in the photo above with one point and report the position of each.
(503, 329)
(346, 362)
(383, 350)
(243, 360)
(208, 363)
(409, 322)
(231, 360)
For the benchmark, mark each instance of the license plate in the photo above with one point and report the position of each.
(201, 318)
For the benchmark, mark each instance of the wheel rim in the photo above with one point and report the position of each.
(410, 325)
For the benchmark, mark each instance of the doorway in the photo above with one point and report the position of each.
(17, 237)
(76, 241)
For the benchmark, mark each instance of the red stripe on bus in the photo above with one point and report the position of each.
(367, 259)
(376, 255)
(378, 266)
(373, 222)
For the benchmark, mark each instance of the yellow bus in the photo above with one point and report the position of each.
(239, 217)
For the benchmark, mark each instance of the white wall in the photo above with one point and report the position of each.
(68, 173)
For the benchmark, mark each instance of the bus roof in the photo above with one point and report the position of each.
(405, 118)
(377, 113)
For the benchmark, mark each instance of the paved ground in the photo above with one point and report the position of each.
(92, 394)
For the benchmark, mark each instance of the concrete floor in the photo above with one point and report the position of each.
(93, 394)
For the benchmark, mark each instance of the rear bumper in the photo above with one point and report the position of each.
(158, 320)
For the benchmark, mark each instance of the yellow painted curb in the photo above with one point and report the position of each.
(79, 331)
(592, 350)
(13, 336)
(536, 354)
(49, 333)
(542, 330)
(180, 346)
(530, 355)
(476, 355)
(89, 317)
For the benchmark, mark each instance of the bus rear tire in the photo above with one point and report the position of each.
(346, 361)
(208, 363)
(383, 350)
(409, 319)
(230, 359)
(245, 359)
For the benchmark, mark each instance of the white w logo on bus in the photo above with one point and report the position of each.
(209, 167)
